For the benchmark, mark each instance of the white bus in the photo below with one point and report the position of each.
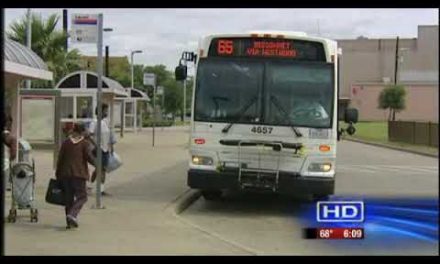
(264, 114)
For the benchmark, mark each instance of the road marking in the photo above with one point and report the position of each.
(406, 169)
(357, 169)
(411, 168)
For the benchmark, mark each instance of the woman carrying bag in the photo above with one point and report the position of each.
(72, 172)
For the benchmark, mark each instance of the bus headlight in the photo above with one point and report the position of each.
(201, 160)
(320, 167)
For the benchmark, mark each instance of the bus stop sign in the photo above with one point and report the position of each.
(84, 28)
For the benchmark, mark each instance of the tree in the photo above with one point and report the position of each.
(173, 97)
(392, 97)
(48, 43)
(173, 90)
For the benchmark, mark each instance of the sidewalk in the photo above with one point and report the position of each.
(135, 220)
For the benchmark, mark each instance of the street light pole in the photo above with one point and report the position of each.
(132, 66)
(132, 70)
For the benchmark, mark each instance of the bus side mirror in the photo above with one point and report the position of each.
(351, 115)
(350, 129)
(180, 73)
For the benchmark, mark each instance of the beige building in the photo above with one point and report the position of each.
(367, 65)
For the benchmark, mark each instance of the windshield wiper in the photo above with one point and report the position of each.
(240, 114)
(275, 101)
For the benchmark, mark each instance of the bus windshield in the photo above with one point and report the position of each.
(270, 92)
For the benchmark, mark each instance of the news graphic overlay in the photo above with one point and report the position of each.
(378, 221)
(345, 212)
(340, 211)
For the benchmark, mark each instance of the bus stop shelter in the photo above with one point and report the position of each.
(131, 110)
(20, 63)
(79, 96)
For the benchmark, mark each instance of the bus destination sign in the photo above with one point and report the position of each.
(261, 47)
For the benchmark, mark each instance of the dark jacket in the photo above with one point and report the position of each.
(73, 158)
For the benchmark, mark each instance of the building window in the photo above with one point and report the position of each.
(71, 82)
(92, 82)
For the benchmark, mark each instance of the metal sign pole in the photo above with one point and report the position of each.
(163, 100)
(154, 109)
(98, 126)
(122, 117)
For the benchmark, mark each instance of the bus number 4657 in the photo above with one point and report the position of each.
(262, 130)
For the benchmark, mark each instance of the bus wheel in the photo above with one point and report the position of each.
(212, 195)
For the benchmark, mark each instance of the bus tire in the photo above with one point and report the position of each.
(212, 195)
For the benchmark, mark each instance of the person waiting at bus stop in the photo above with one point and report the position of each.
(105, 146)
(10, 149)
(72, 172)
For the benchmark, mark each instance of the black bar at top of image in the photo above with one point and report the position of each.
(310, 233)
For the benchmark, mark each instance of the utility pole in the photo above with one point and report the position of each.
(29, 39)
(154, 109)
(106, 61)
(396, 61)
(65, 29)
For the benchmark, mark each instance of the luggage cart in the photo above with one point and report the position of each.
(22, 177)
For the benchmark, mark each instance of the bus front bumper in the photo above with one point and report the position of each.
(287, 182)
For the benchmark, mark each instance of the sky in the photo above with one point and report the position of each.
(163, 34)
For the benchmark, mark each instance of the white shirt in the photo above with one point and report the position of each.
(5, 158)
(6, 161)
(105, 133)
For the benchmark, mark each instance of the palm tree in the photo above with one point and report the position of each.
(48, 43)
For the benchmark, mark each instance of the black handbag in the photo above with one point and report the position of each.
(55, 193)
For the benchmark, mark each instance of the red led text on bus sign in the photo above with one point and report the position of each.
(268, 48)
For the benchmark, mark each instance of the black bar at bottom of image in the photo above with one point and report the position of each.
(310, 233)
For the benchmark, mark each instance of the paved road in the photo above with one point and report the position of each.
(268, 224)
(137, 219)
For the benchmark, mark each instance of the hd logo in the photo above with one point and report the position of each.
(340, 211)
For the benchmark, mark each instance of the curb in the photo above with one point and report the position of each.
(168, 128)
(391, 147)
(183, 201)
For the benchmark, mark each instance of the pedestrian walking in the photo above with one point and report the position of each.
(10, 149)
(72, 171)
(68, 127)
(105, 146)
